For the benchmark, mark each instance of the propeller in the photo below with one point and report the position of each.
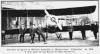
(52, 18)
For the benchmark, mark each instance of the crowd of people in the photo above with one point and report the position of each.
(37, 29)
(34, 29)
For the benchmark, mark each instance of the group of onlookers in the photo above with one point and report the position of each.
(34, 29)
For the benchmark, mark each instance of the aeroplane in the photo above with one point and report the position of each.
(51, 15)
(53, 20)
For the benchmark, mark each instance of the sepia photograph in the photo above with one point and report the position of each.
(49, 23)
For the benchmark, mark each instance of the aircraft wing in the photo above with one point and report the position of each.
(41, 13)
(73, 11)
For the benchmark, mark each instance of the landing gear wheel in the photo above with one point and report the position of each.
(59, 36)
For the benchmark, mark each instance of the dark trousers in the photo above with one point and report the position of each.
(70, 35)
(32, 37)
(39, 33)
(83, 34)
(94, 28)
(42, 35)
(95, 34)
(32, 34)
(22, 35)
(39, 37)
(22, 38)
(3, 38)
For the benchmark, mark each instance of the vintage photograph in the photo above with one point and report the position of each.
(49, 23)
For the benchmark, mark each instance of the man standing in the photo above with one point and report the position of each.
(38, 30)
(84, 20)
(22, 32)
(70, 31)
(95, 29)
(83, 29)
(32, 32)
